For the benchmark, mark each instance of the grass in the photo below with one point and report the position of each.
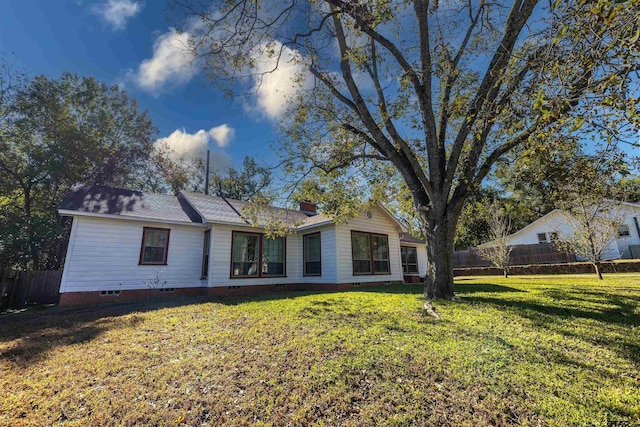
(555, 350)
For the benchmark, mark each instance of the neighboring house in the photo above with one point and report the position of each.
(127, 244)
(546, 229)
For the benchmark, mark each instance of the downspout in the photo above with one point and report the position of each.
(635, 221)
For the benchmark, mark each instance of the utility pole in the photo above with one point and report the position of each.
(206, 177)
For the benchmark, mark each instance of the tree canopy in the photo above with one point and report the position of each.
(54, 133)
(249, 181)
(439, 90)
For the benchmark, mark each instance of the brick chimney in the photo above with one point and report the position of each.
(307, 207)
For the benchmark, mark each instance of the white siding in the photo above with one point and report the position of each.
(422, 260)
(553, 222)
(220, 267)
(329, 256)
(103, 254)
(628, 214)
(379, 223)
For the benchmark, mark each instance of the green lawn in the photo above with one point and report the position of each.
(521, 351)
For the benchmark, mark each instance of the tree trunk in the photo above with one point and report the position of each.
(506, 273)
(33, 254)
(596, 265)
(439, 278)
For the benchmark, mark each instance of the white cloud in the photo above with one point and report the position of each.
(117, 12)
(190, 146)
(276, 79)
(222, 135)
(171, 63)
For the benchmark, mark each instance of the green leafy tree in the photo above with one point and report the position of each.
(440, 91)
(244, 183)
(54, 133)
(165, 172)
(628, 189)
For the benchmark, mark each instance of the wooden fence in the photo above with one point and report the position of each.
(22, 288)
(543, 253)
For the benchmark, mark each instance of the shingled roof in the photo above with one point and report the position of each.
(187, 207)
(102, 200)
(218, 209)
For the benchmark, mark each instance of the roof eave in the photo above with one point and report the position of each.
(66, 212)
(402, 227)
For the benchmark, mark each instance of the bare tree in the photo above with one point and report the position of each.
(441, 91)
(594, 226)
(498, 250)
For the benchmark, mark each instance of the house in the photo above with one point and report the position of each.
(127, 244)
(547, 229)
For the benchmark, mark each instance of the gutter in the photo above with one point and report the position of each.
(65, 212)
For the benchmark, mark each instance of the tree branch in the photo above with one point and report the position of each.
(490, 86)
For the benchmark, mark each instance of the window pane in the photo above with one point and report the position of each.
(361, 246)
(312, 248)
(155, 245)
(273, 256)
(245, 269)
(413, 268)
(380, 249)
(312, 256)
(403, 254)
(412, 255)
(152, 254)
(313, 267)
(156, 238)
(361, 266)
(272, 268)
(381, 266)
(245, 248)
(273, 250)
(205, 254)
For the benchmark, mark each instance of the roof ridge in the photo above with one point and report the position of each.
(234, 209)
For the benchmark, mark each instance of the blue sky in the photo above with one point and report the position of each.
(132, 43)
(110, 40)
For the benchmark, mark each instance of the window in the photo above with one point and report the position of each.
(370, 253)
(272, 256)
(155, 246)
(553, 236)
(623, 231)
(205, 254)
(542, 237)
(115, 293)
(254, 255)
(312, 254)
(409, 257)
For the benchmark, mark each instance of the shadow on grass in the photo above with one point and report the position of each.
(623, 314)
(616, 313)
(38, 331)
(484, 287)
